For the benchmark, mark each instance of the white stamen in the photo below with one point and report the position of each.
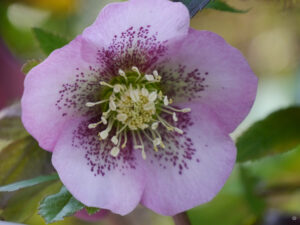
(103, 119)
(155, 73)
(117, 88)
(153, 96)
(175, 117)
(149, 106)
(112, 105)
(156, 141)
(178, 130)
(122, 73)
(145, 92)
(103, 83)
(142, 146)
(149, 77)
(115, 151)
(166, 101)
(154, 125)
(125, 140)
(135, 69)
(122, 117)
(91, 104)
(94, 125)
(144, 126)
(134, 95)
(144, 156)
(185, 110)
(103, 134)
(114, 140)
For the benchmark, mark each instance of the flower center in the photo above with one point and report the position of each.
(132, 102)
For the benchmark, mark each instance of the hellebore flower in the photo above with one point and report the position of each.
(138, 109)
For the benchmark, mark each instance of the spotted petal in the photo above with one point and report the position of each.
(204, 68)
(163, 17)
(52, 93)
(92, 175)
(193, 167)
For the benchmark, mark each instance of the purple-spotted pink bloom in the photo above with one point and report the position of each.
(138, 108)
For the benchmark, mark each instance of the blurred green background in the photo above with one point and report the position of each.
(269, 37)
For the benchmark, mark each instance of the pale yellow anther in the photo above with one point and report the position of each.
(149, 77)
(175, 117)
(114, 140)
(145, 92)
(179, 131)
(115, 151)
(153, 96)
(103, 83)
(103, 119)
(112, 105)
(166, 101)
(149, 106)
(103, 134)
(122, 117)
(154, 125)
(117, 88)
(134, 95)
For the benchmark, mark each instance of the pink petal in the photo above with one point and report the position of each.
(51, 93)
(192, 168)
(93, 176)
(208, 70)
(165, 18)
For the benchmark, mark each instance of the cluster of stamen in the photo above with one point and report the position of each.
(132, 102)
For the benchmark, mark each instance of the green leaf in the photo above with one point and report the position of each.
(56, 207)
(29, 65)
(25, 202)
(278, 133)
(91, 210)
(49, 41)
(223, 6)
(28, 183)
(250, 185)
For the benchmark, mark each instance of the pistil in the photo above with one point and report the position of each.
(134, 103)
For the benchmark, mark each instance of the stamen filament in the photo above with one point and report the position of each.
(91, 104)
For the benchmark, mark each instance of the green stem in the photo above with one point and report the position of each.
(181, 219)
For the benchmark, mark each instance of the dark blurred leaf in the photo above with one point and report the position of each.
(194, 5)
(56, 207)
(278, 133)
(23, 159)
(13, 110)
(28, 183)
(29, 65)
(223, 6)
(222, 210)
(49, 41)
(91, 210)
(24, 203)
(250, 187)
(11, 129)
